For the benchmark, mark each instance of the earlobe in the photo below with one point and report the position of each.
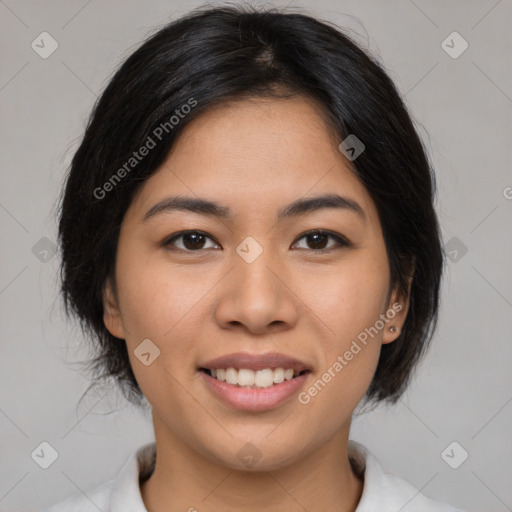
(111, 314)
(398, 308)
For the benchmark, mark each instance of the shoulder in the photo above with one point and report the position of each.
(120, 494)
(385, 492)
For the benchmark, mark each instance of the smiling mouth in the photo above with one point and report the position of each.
(251, 379)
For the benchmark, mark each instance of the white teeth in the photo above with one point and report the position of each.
(264, 378)
(278, 376)
(231, 376)
(248, 378)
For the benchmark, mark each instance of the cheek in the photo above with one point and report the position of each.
(154, 296)
(166, 304)
(350, 298)
(158, 305)
(349, 357)
(350, 303)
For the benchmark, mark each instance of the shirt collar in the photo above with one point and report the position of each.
(126, 494)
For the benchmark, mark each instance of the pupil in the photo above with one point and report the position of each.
(194, 237)
(317, 244)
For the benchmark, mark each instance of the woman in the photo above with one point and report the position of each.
(248, 234)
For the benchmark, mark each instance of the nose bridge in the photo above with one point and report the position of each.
(253, 265)
(255, 296)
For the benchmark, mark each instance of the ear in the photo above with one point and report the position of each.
(111, 314)
(398, 303)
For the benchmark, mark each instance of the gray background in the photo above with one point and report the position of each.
(462, 392)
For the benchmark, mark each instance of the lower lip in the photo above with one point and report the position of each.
(248, 399)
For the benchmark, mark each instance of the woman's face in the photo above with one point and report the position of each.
(251, 289)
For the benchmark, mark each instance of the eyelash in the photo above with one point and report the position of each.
(341, 241)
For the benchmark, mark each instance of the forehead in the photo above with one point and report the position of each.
(255, 155)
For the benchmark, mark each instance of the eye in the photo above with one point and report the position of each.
(319, 238)
(192, 240)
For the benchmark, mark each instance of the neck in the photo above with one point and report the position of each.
(185, 480)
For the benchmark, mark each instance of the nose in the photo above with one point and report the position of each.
(257, 297)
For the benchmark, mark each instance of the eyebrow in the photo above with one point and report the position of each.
(294, 209)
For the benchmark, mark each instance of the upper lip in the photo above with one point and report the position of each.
(256, 362)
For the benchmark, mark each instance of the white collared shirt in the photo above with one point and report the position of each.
(382, 492)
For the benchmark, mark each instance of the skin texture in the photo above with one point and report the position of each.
(253, 156)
